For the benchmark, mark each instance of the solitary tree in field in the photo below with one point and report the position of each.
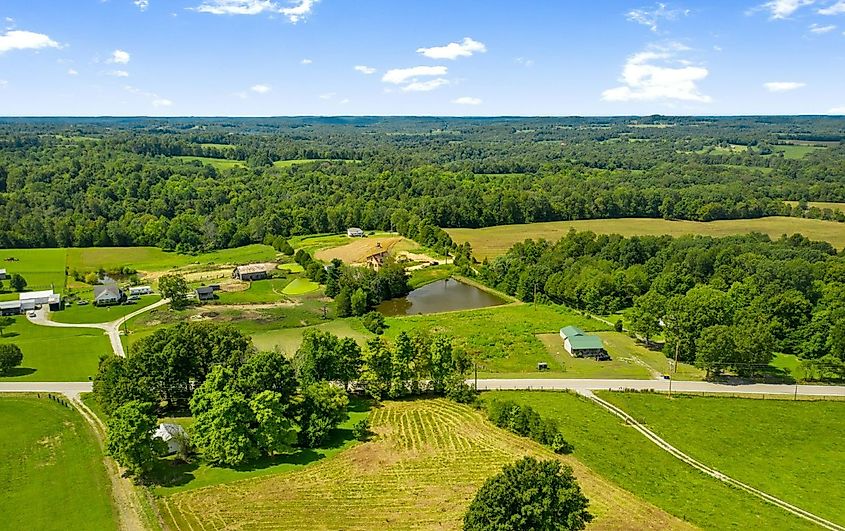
(129, 441)
(529, 494)
(4, 323)
(175, 288)
(10, 357)
(17, 282)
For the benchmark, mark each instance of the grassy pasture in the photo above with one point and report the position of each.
(494, 241)
(300, 286)
(622, 455)
(227, 164)
(289, 339)
(502, 338)
(791, 151)
(153, 259)
(821, 205)
(51, 469)
(421, 470)
(783, 447)
(357, 249)
(42, 268)
(55, 354)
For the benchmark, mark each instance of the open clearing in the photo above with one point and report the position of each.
(358, 249)
(51, 469)
(55, 354)
(152, 259)
(100, 314)
(227, 164)
(494, 241)
(787, 451)
(42, 268)
(821, 205)
(300, 286)
(618, 452)
(421, 470)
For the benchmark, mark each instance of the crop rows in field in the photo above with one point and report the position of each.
(419, 472)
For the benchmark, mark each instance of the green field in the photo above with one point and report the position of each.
(504, 338)
(154, 259)
(300, 286)
(226, 164)
(292, 267)
(42, 268)
(89, 313)
(420, 471)
(55, 354)
(622, 455)
(51, 469)
(494, 241)
(289, 339)
(786, 448)
(796, 151)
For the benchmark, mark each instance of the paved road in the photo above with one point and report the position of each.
(657, 385)
(64, 388)
(112, 328)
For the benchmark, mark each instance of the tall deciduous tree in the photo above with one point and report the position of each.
(175, 288)
(323, 407)
(529, 494)
(129, 437)
(10, 357)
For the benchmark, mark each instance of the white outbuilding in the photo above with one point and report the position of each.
(173, 435)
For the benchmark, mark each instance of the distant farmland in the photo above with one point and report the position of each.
(820, 205)
(489, 242)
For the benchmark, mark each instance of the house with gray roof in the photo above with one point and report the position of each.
(108, 295)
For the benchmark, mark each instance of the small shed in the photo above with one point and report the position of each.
(135, 291)
(354, 232)
(173, 435)
(582, 345)
(3, 275)
(10, 308)
(205, 293)
(249, 272)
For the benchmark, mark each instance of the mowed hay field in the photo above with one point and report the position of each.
(51, 469)
(821, 205)
(420, 472)
(358, 249)
(787, 450)
(42, 268)
(489, 242)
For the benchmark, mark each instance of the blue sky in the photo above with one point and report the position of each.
(415, 57)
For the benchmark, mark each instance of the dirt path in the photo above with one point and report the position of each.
(124, 494)
(653, 437)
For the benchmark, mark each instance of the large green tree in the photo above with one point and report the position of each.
(10, 357)
(129, 437)
(529, 494)
(323, 407)
(175, 288)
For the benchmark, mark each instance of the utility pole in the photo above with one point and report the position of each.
(475, 364)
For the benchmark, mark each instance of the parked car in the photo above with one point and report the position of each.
(30, 314)
(81, 302)
(129, 302)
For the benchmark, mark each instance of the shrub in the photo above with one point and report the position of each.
(10, 356)
(361, 430)
(524, 421)
(618, 325)
(374, 322)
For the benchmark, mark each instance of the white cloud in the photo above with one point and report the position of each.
(467, 100)
(836, 9)
(306, 61)
(72, 72)
(651, 17)
(327, 96)
(837, 110)
(524, 62)
(783, 86)
(656, 74)
(3, 83)
(119, 57)
(365, 69)
(294, 11)
(142, 4)
(818, 29)
(781, 9)
(344, 101)
(397, 76)
(25, 40)
(260, 88)
(119, 73)
(425, 86)
(155, 100)
(453, 50)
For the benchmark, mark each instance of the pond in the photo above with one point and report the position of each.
(440, 296)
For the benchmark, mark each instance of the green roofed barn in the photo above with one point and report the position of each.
(582, 345)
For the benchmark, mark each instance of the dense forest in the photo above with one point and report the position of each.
(723, 303)
(109, 182)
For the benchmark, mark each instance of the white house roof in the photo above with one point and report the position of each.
(45, 294)
(167, 431)
(7, 305)
(252, 268)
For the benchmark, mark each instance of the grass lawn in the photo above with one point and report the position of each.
(792, 450)
(51, 469)
(503, 338)
(300, 286)
(494, 241)
(258, 292)
(174, 477)
(41, 268)
(55, 354)
(427, 275)
(94, 314)
(292, 267)
(622, 455)
(420, 471)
